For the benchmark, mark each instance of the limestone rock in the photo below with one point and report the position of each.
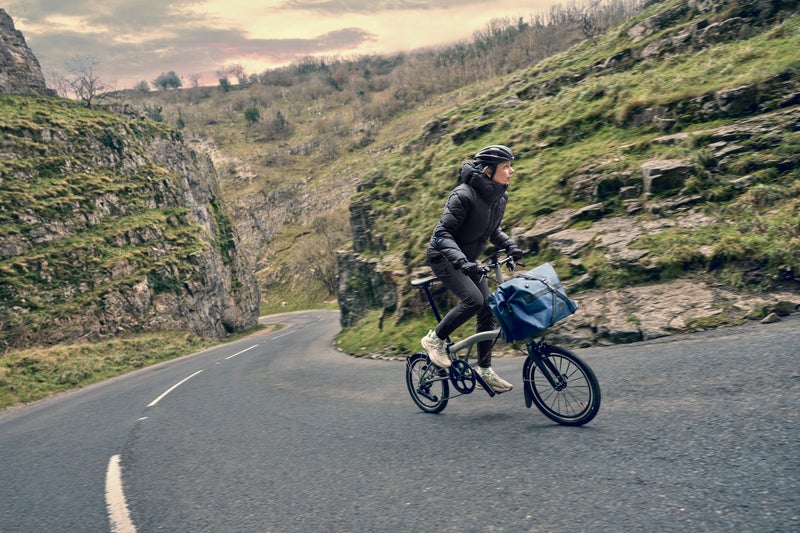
(665, 175)
(20, 72)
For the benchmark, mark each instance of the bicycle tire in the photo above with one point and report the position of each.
(430, 395)
(575, 404)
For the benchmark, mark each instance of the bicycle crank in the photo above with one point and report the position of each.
(462, 376)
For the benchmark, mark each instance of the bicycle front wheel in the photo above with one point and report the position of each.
(575, 399)
(427, 383)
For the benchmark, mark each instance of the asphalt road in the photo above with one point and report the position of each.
(279, 432)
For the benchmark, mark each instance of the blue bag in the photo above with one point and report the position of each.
(530, 303)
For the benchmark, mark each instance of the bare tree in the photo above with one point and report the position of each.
(83, 81)
(589, 19)
(58, 82)
(235, 70)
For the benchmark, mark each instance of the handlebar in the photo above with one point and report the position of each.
(493, 264)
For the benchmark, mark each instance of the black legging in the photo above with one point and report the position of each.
(473, 301)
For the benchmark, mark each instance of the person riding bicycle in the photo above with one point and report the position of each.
(471, 219)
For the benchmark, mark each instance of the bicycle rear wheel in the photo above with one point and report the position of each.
(427, 383)
(576, 398)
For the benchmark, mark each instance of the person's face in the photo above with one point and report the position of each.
(503, 173)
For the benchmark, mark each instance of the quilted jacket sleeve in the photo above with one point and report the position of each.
(455, 212)
(501, 240)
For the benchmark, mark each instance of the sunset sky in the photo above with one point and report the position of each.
(134, 40)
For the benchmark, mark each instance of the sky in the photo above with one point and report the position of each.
(135, 40)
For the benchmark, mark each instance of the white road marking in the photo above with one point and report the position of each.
(118, 515)
(178, 384)
(239, 353)
(284, 335)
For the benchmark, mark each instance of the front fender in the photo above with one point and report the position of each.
(526, 384)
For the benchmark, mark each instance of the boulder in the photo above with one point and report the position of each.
(665, 175)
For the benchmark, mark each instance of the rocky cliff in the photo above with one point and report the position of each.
(20, 72)
(695, 159)
(109, 224)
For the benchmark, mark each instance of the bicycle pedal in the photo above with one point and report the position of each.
(481, 384)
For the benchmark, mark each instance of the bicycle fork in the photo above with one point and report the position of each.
(536, 358)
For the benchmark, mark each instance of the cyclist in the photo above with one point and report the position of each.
(471, 219)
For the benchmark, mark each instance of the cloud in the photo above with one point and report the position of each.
(139, 39)
(375, 6)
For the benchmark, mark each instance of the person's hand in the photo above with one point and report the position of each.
(515, 253)
(470, 269)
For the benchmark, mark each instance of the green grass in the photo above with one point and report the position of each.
(393, 336)
(36, 373)
(557, 137)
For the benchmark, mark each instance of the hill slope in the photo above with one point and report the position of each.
(110, 224)
(665, 150)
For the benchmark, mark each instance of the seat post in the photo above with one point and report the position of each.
(426, 288)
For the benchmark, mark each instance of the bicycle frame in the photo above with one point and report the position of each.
(534, 347)
(425, 283)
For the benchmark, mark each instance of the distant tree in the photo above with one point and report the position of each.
(280, 125)
(225, 84)
(589, 20)
(195, 79)
(252, 114)
(316, 253)
(82, 79)
(168, 80)
(142, 87)
(235, 70)
(238, 71)
(58, 82)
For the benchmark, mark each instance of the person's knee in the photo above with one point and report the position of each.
(472, 304)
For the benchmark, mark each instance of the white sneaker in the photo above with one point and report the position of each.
(436, 349)
(491, 378)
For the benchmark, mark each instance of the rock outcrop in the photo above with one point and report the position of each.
(109, 223)
(20, 72)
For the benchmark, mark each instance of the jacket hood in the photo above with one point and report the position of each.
(486, 187)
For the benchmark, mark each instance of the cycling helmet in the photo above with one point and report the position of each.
(494, 155)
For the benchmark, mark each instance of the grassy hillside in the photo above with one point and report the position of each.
(587, 124)
(587, 112)
(292, 144)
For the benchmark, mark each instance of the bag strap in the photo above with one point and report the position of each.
(556, 294)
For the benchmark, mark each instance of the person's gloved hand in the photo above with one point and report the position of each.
(470, 269)
(515, 253)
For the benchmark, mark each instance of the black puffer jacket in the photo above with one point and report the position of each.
(471, 219)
